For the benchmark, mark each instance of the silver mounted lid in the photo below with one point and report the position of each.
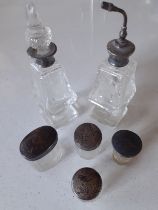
(86, 183)
(87, 136)
(119, 49)
(39, 143)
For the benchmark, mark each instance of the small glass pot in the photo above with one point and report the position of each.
(88, 139)
(86, 184)
(40, 147)
(126, 145)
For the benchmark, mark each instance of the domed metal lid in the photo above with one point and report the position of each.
(119, 49)
(86, 183)
(127, 143)
(119, 52)
(87, 136)
(38, 143)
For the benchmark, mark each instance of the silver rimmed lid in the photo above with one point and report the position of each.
(86, 183)
(127, 143)
(87, 136)
(38, 143)
(119, 52)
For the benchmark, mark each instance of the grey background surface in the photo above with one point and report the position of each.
(80, 30)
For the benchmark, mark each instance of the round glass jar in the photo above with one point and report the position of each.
(126, 145)
(40, 147)
(86, 184)
(88, 138)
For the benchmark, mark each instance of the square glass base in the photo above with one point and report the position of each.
(60, 118)
(110, 118)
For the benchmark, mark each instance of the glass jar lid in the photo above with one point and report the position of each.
(127, 143)
(86, 183)
(38, 143)
(87, 136)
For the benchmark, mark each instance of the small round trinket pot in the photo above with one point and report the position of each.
(88, 138)
(41, 148)
(126, 145)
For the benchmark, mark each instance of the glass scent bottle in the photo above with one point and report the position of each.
(86, 184)
(126, 145)
(56, 98)
(115, 83)
(41, 148)
(88, 138)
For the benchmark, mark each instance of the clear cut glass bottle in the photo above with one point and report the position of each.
(113, 90)
(41, 148)
(115, 83)
(56, 98)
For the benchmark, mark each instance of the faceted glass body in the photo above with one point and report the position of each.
(49, 160)
(113, 90)
(118, 158)
(88, 154)
(55, 96)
